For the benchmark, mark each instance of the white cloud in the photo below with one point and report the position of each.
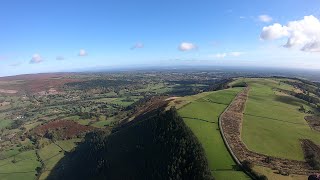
(265, 18)
(229, 54)
(304, 34)
(236, 54)
(83, 52)
(275, 31)
(220, 55)
(186, 46)
(137, 46)
(36, 58)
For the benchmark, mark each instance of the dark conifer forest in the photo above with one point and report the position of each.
(159, 147)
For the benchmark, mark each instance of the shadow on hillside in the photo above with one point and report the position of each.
(56, 172)
(288, 100)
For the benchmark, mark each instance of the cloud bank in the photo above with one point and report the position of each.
(304, 34)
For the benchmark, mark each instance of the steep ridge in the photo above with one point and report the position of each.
(158, 147)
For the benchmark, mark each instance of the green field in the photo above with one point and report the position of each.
(50, 155)
(106, 100)
(201, 115)
(68, 145)
(273, 125)
(17, 165)
(5, 123)
(101, 124)
(53, 153)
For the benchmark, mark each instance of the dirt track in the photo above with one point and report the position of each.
(231, 122)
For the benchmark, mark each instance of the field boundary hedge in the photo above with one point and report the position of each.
(234, 157)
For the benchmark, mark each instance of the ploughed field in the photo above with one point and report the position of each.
(201, 114)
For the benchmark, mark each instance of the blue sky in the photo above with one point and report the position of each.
(59, 35)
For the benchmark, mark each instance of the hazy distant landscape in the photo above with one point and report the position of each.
(71, 120)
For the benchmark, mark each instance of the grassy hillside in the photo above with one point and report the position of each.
(53, 153)
(159, 147)
(201, 115)
(273, 124)
(19, 165)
